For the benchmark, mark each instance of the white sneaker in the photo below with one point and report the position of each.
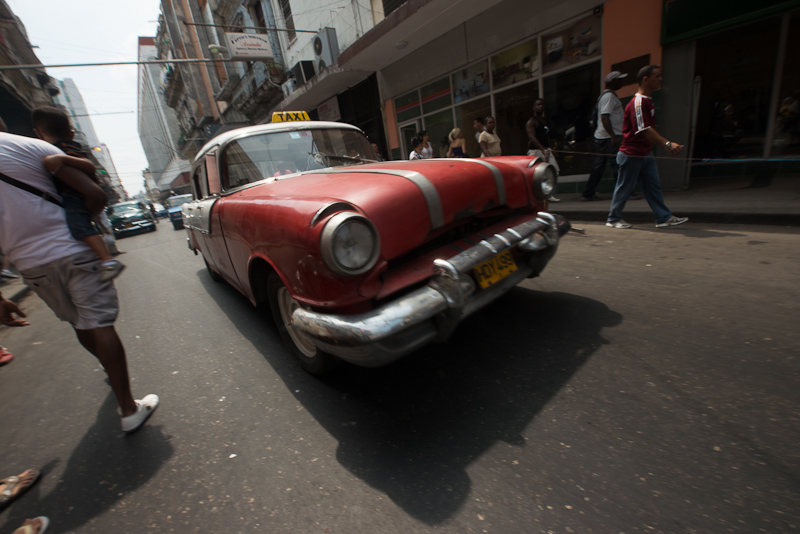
(5, 273)
(672, 221)
(619, 224)
(554, 199)
(144, 409)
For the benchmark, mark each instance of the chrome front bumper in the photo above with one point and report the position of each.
(431, 313)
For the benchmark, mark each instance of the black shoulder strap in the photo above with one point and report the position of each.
(30, 189)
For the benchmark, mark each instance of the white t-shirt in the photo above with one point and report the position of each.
(427, 151)
(33, 231)
(609, 105)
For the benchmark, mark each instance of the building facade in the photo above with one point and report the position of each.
(159, 129)
(394, 68)
(21, 90)
(70, 99)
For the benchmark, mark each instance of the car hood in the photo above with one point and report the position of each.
(127, 216)
(407, 201)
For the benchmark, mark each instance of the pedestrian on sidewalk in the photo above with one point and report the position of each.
(62, 270)
(608, 115)
(489, 140)
(635, 157)
(539, 139)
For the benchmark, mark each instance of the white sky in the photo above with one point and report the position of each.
(97, 31)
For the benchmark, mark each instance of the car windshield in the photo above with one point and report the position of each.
(273, 154)
(174, 202)
(119, 209)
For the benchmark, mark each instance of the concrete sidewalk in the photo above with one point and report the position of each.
(743, 200)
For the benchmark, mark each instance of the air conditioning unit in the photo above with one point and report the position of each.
(289, 87)
(303, 71)
(326, 48)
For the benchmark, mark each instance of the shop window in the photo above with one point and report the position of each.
(514, 108)
(407, 106)
(439, 125)
(737, 70)
(436, 95)
(573, 45)
(515, 65)
(569, 99)
(471, 82)
(786, 138)
(468, 112)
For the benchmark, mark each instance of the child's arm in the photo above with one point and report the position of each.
(55, 161)
(94, 197)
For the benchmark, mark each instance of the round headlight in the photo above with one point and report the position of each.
(544, 180)
(350, 243)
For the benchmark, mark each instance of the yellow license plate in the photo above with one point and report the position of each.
(495, 269)
(128, 225)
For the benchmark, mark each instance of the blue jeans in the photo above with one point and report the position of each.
(645, 171)
(605, 154)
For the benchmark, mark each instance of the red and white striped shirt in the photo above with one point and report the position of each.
(640, 114)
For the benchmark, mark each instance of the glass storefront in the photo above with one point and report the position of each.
(737, 71)
(786, 136)
(507, 84)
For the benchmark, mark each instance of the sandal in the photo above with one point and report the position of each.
(5, 356)
(28, 528)
(17, 485)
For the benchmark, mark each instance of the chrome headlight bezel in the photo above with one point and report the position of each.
(327, 240)
(545, 178)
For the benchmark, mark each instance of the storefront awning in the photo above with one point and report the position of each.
(411, 26)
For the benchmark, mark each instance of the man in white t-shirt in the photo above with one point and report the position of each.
(607, 134)
(63, 271)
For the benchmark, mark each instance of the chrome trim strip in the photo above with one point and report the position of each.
(329, 208)
(420, 180)
(499, 183)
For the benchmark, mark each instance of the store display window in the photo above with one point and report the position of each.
(515, 64)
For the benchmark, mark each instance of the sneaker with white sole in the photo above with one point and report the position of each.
(553, 199)
(110, 270)
(672, 221)
(619, 224)
(144, 409)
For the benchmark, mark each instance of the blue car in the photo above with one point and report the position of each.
(174, 209)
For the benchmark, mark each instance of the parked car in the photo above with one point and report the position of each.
(359, 260)
(161, 211)
(174, 209)
(130, 217)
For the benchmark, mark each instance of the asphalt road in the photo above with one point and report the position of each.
(647, 382)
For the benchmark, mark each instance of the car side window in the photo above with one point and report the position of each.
(200, 182)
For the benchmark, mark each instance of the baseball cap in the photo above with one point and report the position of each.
(613, 75)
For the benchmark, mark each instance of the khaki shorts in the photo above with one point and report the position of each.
(72, 288)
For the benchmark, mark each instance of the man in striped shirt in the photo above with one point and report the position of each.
(635, 157)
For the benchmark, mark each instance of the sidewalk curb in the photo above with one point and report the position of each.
(773, 219)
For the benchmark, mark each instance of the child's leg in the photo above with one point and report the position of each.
(99, 247)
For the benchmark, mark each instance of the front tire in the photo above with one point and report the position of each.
(309, 356)
(212, 273)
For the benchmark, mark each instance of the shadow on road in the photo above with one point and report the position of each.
(412, 429)
(103, 468)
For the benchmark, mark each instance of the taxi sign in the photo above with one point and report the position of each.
(289, 116)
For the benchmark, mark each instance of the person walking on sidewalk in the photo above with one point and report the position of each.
(635, 157)
(608, 133)
(63, 271)
(539, 139)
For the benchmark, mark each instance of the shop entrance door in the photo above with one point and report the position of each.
(407, 131)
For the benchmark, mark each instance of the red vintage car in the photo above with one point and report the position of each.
(360, 260)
